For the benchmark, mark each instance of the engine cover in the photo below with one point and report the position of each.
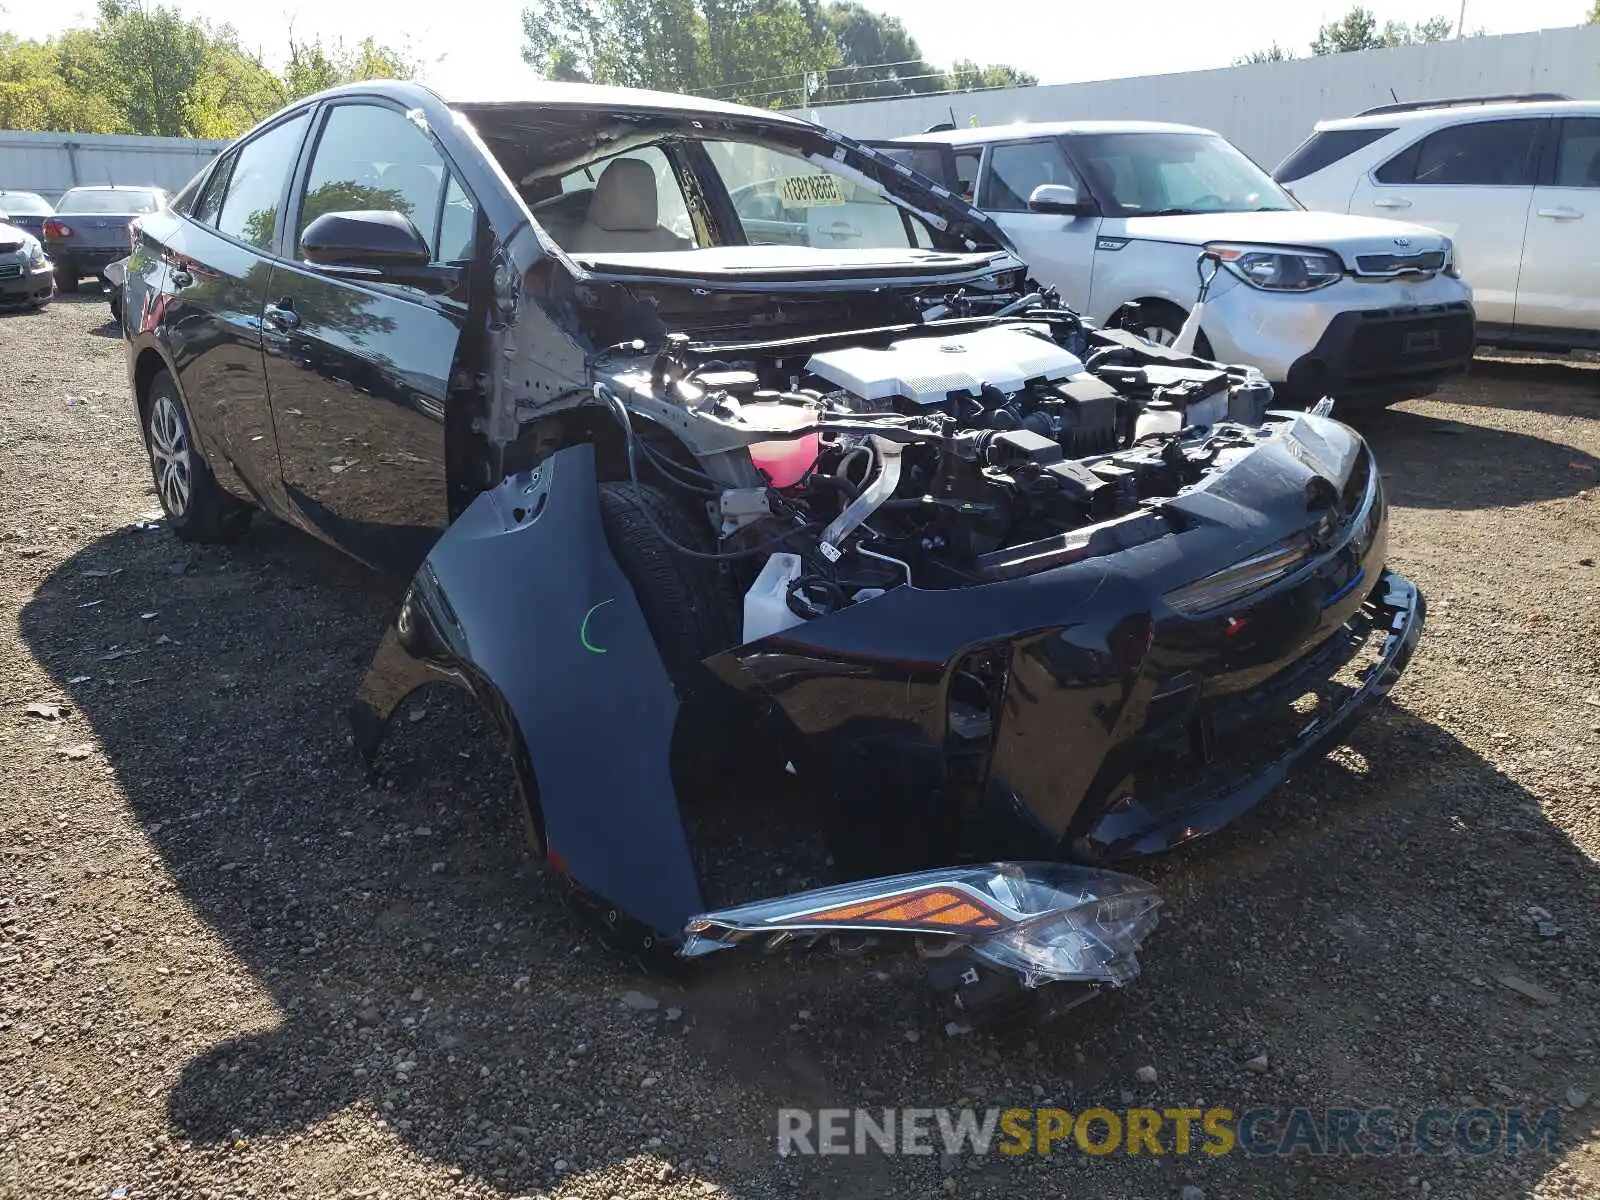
(925, 371)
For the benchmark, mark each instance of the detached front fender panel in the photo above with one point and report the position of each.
(521, 603)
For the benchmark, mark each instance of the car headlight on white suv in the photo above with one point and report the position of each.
(1280, 268)
(35, 253)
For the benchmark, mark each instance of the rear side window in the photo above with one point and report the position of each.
(1016, 169)
(208, 204)
(1324, 149)
(1578, 155)
(1475, 154)
(259, 176)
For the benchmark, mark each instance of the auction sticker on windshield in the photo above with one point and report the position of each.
(811, 191)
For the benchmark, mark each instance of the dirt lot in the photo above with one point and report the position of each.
(231, 966)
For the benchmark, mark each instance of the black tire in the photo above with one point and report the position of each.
(690, 608)
(1161, 322)
(66, 282)
(197, 508)
(116, 305)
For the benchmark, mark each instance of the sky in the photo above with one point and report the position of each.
(472, 49)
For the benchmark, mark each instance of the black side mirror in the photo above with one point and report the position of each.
(368, 242)
(1060, 199)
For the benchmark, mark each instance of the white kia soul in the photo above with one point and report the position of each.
(1514, 181)
(1115, 214)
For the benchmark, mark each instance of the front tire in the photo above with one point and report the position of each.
(690, 608)
(196, 507)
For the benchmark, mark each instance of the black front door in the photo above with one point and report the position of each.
(358, 366)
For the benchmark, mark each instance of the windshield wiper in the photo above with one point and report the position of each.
(1170, 212)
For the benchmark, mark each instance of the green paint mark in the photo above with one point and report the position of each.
(583, 630)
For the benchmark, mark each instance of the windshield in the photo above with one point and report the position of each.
(1164, 174)
(23, 204)
(120, 202)
(684, 193)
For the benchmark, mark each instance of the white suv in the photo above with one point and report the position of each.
(1511, 179)
(1115, 214)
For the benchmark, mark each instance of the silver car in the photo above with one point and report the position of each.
(26, 275)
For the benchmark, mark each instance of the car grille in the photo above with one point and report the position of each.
(10, 271)
(1385, 340)
(1394, 264)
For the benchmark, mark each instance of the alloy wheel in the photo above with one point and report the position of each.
(170, 456)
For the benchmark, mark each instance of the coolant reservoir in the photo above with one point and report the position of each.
(1159, 416)
(766, 604)
(787, 461)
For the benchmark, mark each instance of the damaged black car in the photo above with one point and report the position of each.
(711, 441)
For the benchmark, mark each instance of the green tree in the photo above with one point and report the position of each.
(1358, 30)
(149, 70)
(312, 66)
(773, 53)
(1273, 53)
(34, 94)
(878, 58)
(967, 76)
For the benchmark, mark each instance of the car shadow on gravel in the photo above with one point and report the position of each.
(1429, 461)
(1356, 931)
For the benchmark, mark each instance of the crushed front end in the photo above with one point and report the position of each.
(1006, 597)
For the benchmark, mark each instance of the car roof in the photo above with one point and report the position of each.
(1465, 112)
(983, 134)
(535, 93)
(116, 187)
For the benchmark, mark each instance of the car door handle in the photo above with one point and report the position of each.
(281, 316)
(1391, 202)
(1562, 213)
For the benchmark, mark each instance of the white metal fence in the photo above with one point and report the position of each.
(1266, 109)
(50, 163)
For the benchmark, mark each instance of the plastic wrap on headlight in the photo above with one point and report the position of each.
(1281, 269)
(1239, 580)
(1047, 922)
(36, 255)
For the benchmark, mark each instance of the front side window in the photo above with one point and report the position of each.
(371, 158)
(1167, 174)
(255, 185)
(1473, 154)
(1016, 169)
(1578, 154)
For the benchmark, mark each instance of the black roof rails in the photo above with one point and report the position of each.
(1460, 101)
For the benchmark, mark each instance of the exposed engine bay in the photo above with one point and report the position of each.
(944, 455)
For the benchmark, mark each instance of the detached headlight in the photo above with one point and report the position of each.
(1281, 269)
(1239, 580)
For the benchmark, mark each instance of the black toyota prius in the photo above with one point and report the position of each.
(706, 436)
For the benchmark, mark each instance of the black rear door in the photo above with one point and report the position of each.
(208, 306)
(359, 363)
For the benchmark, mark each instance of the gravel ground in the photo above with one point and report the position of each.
(232, 965)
